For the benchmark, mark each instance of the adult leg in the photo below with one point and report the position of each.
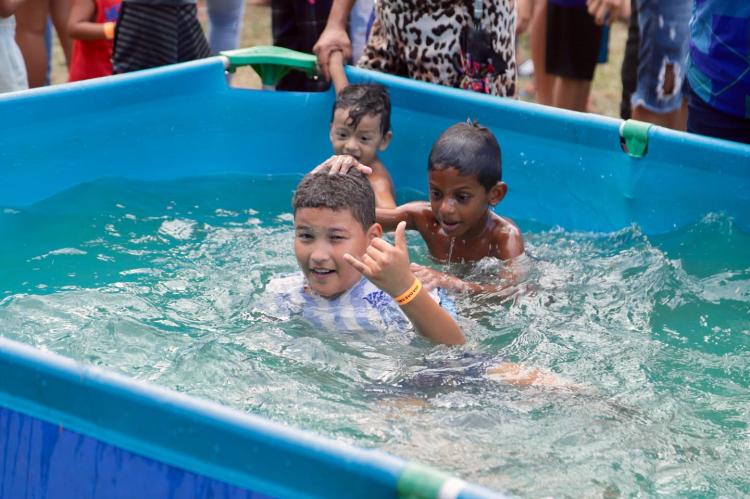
(31, 23)
(59, 11)
(225, 24)
(571, 93)
(572, 49)
(543, 82)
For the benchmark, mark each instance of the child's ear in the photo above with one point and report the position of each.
(497, 193)
(386, 140)
(375, 230)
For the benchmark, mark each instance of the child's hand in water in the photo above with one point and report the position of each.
(386, 265)
(432, 279)
(340, 165)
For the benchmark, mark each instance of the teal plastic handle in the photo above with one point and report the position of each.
(418, 481)
(271, 63)
(635, 135)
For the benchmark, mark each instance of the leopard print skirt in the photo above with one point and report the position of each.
(422, 39)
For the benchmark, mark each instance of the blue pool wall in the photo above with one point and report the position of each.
(563, 168)
(68, 430)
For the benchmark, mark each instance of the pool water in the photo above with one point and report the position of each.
(164, 281)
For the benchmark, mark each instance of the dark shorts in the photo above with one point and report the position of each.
(150, 36)
(573, 42)
(297, 25)
(705, 120)
(465, 371)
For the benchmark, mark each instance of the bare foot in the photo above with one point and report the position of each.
(520, 375)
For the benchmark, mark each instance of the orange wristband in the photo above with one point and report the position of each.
(410, 293)
(109, 30)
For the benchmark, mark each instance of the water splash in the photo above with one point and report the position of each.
(450, 255)
(655, 329)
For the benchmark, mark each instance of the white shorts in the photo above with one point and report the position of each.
(12, 68)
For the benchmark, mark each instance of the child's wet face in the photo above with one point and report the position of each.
(459, 202)
(322, 237)
(362, 142)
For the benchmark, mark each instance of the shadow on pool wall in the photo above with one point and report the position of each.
(562, 168)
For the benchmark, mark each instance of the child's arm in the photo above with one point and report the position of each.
(334, 36)
(387, 267)
(389, 218)
(505, 287)
(336, 69)
(9, 7)
(81, 26)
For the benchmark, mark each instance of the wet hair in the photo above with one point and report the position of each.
(472, 150)
(351, 192)
(364, 99)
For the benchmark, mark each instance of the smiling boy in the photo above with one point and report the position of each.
(351, 278)
(465, 184)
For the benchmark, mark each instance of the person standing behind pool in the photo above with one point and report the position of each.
(465, 183)
(361, 126)
(719, 70)
(92, 27)
(153, 33)
(662, 41)
(12, 67)
(468, 44)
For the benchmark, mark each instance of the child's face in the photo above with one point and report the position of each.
(322, 237)
(362, 142)
(460, 203)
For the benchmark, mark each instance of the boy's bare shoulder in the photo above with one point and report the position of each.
(507, 237)
(380, 173)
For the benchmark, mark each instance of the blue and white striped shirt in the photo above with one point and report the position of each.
(364, 307)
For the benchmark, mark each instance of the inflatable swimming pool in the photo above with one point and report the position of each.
(76, 431)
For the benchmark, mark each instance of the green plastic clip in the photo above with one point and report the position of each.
(634, 134)
(271, 63)
(418, 481)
